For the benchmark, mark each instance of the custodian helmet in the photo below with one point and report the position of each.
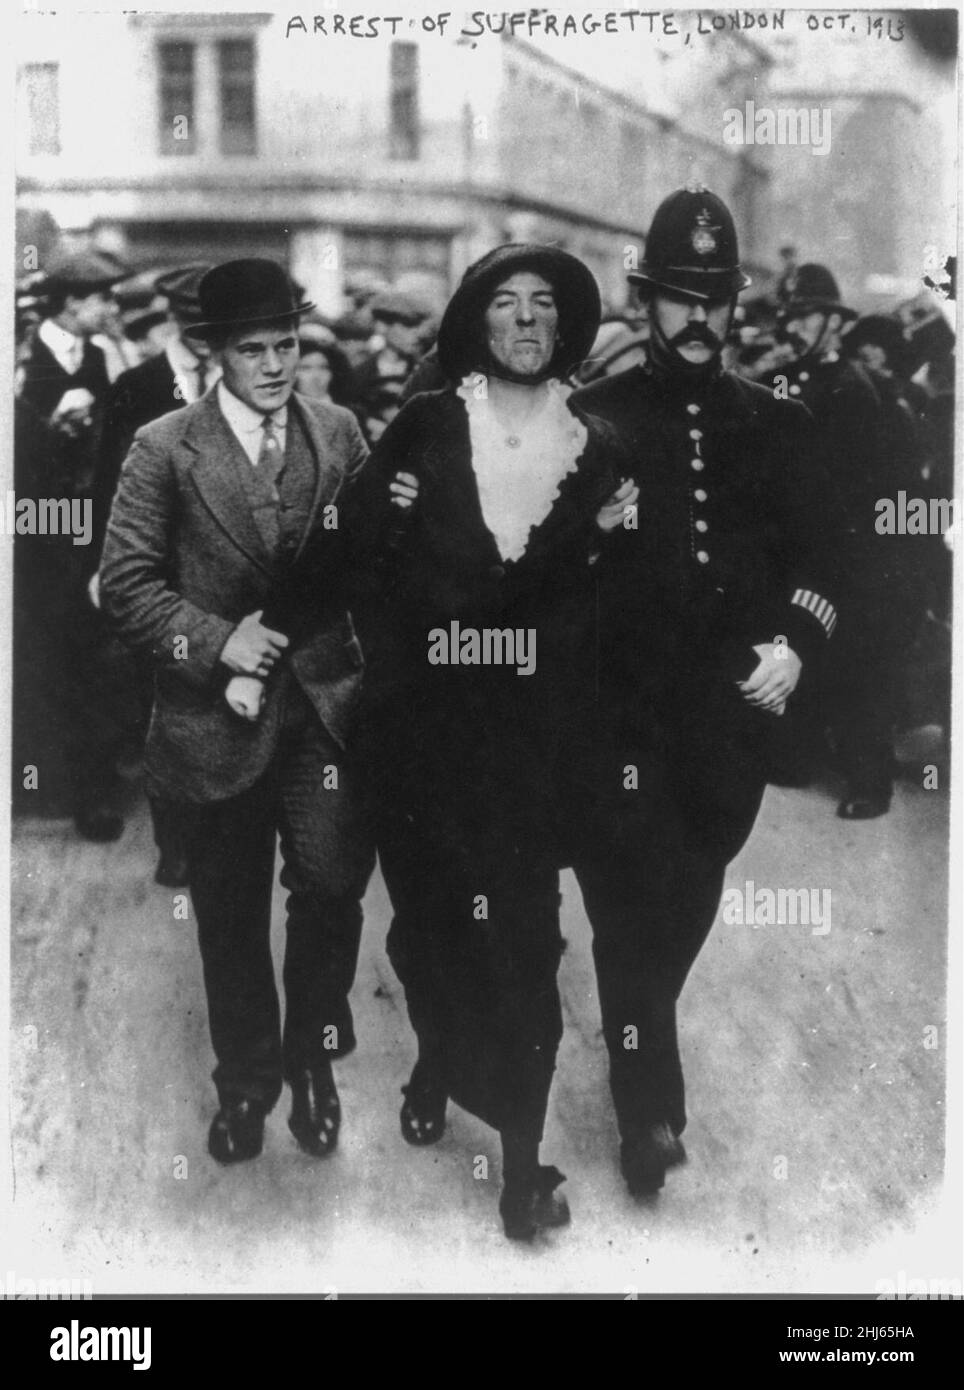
(692, 247)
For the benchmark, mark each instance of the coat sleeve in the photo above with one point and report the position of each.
(136, 593)
(810, 520)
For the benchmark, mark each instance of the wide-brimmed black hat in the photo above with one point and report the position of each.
(810, 289)
(461, 337)
(692, 247)
(242, 292)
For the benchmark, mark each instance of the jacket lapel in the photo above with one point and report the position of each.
(319, 431)
(208, 445)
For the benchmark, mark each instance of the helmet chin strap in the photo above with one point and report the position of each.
(822, 343)
(669, 361)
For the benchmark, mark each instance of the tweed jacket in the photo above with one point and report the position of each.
(184, 562)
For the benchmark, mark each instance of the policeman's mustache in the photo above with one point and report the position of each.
(696, 333)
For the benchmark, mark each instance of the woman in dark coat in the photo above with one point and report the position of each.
(461, 748)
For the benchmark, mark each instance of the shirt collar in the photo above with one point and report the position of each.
(61, 343)
(242, 418)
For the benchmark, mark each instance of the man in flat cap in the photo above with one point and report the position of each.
(714, 594)
(216, 504)
(64, 382)
(401, 321)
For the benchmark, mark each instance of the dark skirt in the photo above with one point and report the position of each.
(464, 825)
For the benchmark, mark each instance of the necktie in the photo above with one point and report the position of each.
(270, 458)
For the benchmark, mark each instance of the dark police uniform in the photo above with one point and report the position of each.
(858, 441)
(732, 548)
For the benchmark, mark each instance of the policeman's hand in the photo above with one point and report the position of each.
(245, 695)
(404, 489)
(613, 511)
(253, 649)
(774, 680)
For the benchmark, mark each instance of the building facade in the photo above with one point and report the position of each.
(234, 134)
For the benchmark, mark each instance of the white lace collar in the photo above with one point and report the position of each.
(519, 483)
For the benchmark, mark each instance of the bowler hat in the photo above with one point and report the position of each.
(246, 291)
(810, 289)
(461, 337)
(692, 247)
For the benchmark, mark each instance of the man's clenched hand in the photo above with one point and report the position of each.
(253, 649)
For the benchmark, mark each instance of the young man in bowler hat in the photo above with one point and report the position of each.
(216, 503)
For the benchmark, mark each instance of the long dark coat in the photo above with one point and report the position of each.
(460, 757)
(737, 544)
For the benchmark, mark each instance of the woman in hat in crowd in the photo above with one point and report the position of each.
(509, 481)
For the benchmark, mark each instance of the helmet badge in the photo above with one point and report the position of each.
(703, 235)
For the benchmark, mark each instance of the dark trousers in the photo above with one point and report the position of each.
(74, 701)
(645, 939)
(327, 861)
(651, 900)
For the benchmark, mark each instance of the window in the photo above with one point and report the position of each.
(41, 89)
(236, 79)
(176, 126)
(403, 110)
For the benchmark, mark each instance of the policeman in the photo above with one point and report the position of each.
(715, 593)
(855, 439)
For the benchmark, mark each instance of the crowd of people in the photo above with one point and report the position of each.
(680, 506)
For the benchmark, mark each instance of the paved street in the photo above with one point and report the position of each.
(815, 1099)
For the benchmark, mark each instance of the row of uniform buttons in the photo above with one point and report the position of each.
(795, 389)
(699, 494)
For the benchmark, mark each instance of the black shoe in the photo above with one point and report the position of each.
(863, 806)
(99, 825)
(315, 1117)
(528, 1207)
(422, 1115)
(171, 871)
(645, 1157)
(237, 1131)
